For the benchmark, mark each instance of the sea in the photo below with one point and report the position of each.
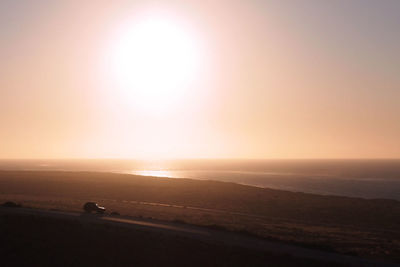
(372, 178)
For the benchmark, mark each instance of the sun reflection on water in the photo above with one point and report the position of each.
(154, 173)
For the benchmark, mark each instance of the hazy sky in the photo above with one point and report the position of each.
(270, 79)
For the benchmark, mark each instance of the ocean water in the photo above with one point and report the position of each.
(353, 178)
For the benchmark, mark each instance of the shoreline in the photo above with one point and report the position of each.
(283, 187)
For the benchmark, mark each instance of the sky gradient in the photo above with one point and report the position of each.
(277, 79)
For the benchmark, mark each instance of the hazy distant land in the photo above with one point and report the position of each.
(369, 228)
(353, 178)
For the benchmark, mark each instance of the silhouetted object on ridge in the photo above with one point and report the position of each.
(10, 204)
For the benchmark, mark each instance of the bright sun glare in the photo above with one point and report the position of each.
(155, 61)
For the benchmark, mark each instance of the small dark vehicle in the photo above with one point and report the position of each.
(93, 206)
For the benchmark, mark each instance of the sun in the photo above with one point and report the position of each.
(155, 60)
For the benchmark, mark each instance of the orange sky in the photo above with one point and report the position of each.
(273, 79)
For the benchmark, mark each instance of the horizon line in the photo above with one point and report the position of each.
(200, 158)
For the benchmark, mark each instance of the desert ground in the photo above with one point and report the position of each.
(352, 226)
(37, 239)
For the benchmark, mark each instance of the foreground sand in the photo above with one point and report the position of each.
(370, 228)
(44, 240)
